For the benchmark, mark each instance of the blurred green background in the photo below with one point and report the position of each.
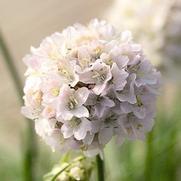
(156, 24)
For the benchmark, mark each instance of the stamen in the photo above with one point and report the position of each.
(72, 103)
(139, 102)
(99, 76)
(74, 122)
(109, 62)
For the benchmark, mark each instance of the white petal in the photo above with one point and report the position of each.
(29, 112)
(82, 95)
(99, 110)
(43, 127)
(105, 135)
(126, 36)
(66, 131)
(128, 93)
(98, 89)
(88, 139)
(107, 102)
(66, 115)
(81, 131)
(119, 77)
(139, 112)
(80, 112)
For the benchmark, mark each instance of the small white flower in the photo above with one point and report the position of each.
(99, 74)
(77, 127)
(70, 102)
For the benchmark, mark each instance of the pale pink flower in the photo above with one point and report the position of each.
(70, 102)
(98, 74)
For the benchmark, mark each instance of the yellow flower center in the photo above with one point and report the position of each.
(55, 91)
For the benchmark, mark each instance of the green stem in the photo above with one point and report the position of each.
(30, 153)
(100, 168)
(11, 67)
(30, 150)
(149, 157)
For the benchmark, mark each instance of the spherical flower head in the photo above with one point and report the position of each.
(89, 84)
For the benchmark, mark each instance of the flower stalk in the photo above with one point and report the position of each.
(100, 168)
(30, 150)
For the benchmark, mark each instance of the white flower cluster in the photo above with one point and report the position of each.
(88, 84)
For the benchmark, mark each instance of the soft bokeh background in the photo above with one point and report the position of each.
(156, 24)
